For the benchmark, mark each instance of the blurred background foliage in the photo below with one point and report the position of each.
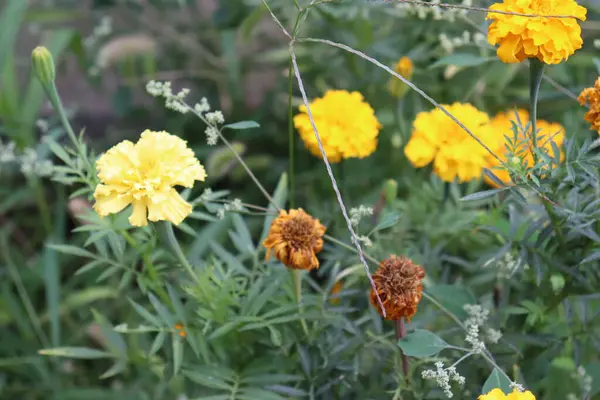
(240, 327)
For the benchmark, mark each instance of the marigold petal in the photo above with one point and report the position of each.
(172, 208)
(495, 394)
(139, 215)
(109, 201)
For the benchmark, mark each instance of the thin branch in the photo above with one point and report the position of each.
(459, 7)
(353, 235)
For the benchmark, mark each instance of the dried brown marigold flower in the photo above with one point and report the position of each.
(399, 285)
(591, 96)
(296, 238)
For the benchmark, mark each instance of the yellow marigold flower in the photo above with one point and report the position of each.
(548, 132)
(296, 238)
(144, 174)
(550, 40)
(455, 154)
(346, 123)
(404, 68)
(591, 96)
(498, 394)
(399, 285)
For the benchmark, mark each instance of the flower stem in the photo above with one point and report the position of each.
(400, 333)
(42, 204)
(297, 281)
(148, 266)
(536, 72)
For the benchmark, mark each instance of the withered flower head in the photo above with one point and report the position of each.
(296, 238)
(398, 283)
(592, 97)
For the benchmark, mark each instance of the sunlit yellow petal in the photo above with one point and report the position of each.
(138, 216)
(172, 208)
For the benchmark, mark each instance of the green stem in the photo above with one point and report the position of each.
(176, 248)
(291, 137)
(297, 281)
(42, 205)
(54, 98)
(536, 72)
(148, 266)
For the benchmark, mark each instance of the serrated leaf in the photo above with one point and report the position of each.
(422, 343)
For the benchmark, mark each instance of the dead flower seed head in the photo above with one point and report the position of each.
(296, 238)
(399, 284)
(591, 96)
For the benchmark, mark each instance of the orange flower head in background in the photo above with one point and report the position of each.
(145, 174)
(347, 126)
(296, 238)
(335, 290)
(502, 124)
(498, 394)
(399, 285)
(591, 96)
(404, 68)
(180, 331)
(551, 40)
(437, 139)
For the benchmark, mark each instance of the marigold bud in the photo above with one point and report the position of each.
(43, 65)
(390, 191)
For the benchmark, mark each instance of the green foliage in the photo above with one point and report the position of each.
(92, 307)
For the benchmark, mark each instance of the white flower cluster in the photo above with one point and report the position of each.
(172, 101)
(358, 213)
(202, 109)
(506, 266)
(477, 319)
(31, 165)
(206, 194)
(103, 29)
(517, 386)
(438, 13)
(585, 383)
(29, 162)
(449, 44)
(236, 206)
(365, 240)
(443, 377)
(597, 43)
(7, 152)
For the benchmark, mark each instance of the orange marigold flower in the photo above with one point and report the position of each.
(178, 326)
(399, 285)
(550, 40)
(296, 238)
(591, 96)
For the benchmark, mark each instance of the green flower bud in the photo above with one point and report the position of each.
(390, 191)
(43, 65)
